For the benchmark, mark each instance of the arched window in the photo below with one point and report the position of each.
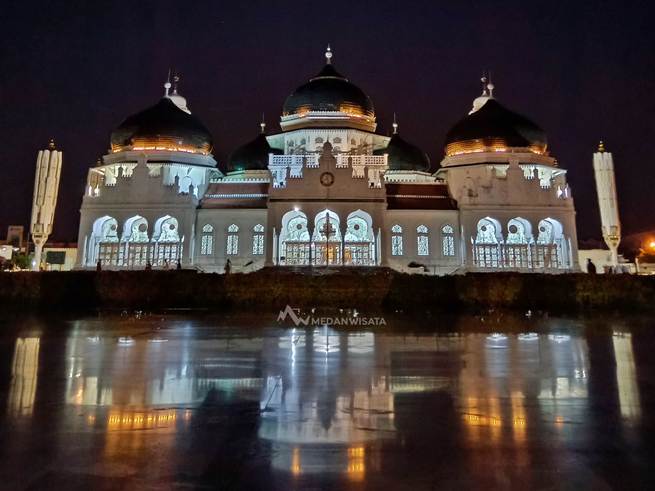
(135, 234)
(319, 140)
(166, 244)
(166, 230)
(517, 243)
(294, 244)
(105, 247)
(518, 231)
(232, 248)
(488, 240)
(136, 230)
(337, 140)
(207, 240)
(447, 240)
(551, 248)
(258, 240)
(422, 241)
(359, 244)
(396, 240)
(326, 239)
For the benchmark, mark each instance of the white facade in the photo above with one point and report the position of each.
(333, 193)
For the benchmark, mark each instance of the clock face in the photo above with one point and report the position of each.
(327, 179)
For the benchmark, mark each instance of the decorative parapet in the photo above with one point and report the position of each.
(285, 167)
(182, 178)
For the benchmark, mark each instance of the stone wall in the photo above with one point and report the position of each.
(367, 289)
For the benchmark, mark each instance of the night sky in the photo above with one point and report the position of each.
(74, 70)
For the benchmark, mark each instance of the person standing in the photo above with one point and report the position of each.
(591, 267)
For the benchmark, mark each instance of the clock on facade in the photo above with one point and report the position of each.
(327, 179)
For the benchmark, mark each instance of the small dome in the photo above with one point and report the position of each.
(494, 128)
(252, 156)
(164, 126)
(404, 155)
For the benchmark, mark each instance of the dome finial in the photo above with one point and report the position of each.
(490, 86)
(51, 144)
(262, 125)
(328, 55)
(483, 79)
(176, 80)
(395, 124)
(601, 146)
(167, 85)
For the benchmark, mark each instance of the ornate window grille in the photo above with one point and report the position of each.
(207, 240)
(447, 241)
(232, 248)
(396, 240)
(258, 240)
(422, 241)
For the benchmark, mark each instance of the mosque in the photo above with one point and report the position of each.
(328, 191)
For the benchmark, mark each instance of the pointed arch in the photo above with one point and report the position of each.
(359, 240)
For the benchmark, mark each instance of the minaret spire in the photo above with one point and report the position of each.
(328, 55)
(395, 124)
(262, 125)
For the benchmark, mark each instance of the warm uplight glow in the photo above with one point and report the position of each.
(356, 465)
(161, 144)
(296, 470)
(488, 145)
(119, 420)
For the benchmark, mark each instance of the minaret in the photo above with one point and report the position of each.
(607, 202)
(46, 188)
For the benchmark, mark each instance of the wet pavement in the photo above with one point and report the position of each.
(168, 402)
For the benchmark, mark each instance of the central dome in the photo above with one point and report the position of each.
(328, 99)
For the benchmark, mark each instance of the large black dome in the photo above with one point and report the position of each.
(404, 155)
(329, 91)
(163, 126)
(493, 127)
(252, 156)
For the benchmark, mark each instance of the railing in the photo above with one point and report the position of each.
(285, 167)
(535, 257)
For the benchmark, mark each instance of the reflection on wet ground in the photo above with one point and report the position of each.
(242, 403)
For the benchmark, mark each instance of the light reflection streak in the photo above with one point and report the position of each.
(626, 377)
(345, 402)
(24, 376)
